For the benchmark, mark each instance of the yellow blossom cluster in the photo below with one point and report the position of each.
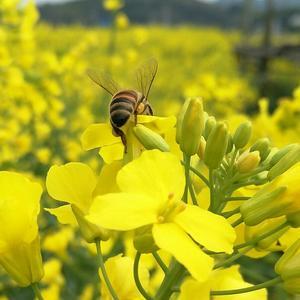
(166, 216)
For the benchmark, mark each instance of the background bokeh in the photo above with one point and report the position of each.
(241, 57)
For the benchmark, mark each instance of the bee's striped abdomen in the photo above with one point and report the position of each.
(122, 106)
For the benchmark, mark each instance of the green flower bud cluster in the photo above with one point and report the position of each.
(280, 196)
(227, 163)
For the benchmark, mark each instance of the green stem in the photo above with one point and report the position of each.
(246, 183)
(103, 271)
(228, 214)
(189, 184)
(201, 176)
(192, 192)
(212, 206)
(136, 277)
(261, 237)
(160, 262)
(237, 222)
(232, 161)
(171, 280)
(236, 199)
(36, 290)
(233, 258)
(239, 177)
(248, 289)
(187, 160)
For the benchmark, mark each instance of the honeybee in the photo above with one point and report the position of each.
(127, 102)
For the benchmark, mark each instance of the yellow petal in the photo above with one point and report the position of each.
(290, 237)
(154, 173)
(172, 238)
(19, 208)
(107, 179)
(229, 279)
(112, 152)
(192, 289)
(122, 211)
(208, 229)
(98, 135)
(73, 183)
(118, 268)
(157, 124)
(64, 214)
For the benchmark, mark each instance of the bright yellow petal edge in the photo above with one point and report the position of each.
(208, 229)
(97, 136)
(20, 252)
(73, 183)
(171, 238)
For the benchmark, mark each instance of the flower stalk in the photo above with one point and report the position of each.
(261, 237)
(136, 277)
(36, 290)
(103, 271)
(264, 285)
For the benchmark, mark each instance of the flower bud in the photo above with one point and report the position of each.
(248, 161)
(143, 240)
(216, 145)
(263, 205)
(24, 263)
(209, 125)
(268, 243)
(294, 219)
(292, 195)
(288, 267)
(286, 162)
(263, 146)
(281, 153)
(179, 121)
(230, 144)
(242, 135)
(191, 127)
(150, 139)
(201, 149)
(89, 231)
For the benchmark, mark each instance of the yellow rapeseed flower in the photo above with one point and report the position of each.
(121, 21)
(118, 268)
(74, 183)
(151, 190)
(113, 4)
(19, 240)
(100, 135)
(225, 279)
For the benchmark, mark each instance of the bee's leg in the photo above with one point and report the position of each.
(121, 134)
(148, 110)
(135, 118)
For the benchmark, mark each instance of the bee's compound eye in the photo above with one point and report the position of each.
(140, 109)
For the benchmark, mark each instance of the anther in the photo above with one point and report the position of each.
(170, 196)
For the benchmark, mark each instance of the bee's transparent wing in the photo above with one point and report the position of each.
(145, 75)
(104, 80)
